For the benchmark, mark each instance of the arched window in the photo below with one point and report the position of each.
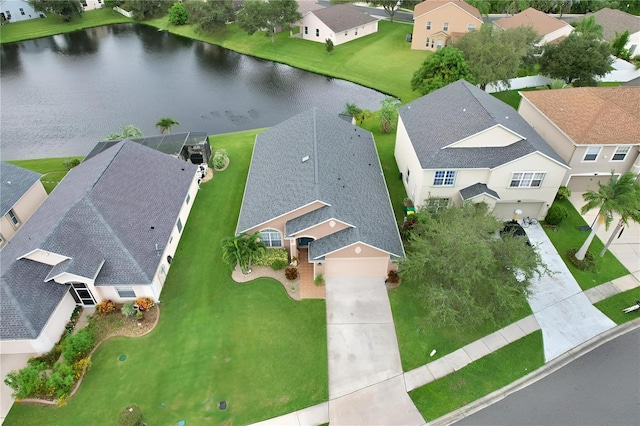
(271, 238)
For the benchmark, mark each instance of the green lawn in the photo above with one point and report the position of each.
(53, 24)
(568, 236)
(614, 305)
(52, 169)
(480, 378)
(249, 344)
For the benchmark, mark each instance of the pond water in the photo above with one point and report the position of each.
(60, 95)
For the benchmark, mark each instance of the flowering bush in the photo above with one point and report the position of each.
(144, 303)
(277, 258)
(105, 307)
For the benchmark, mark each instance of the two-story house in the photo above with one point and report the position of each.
(438, 22)
(547, 27)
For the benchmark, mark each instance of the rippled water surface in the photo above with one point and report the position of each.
(60, 95)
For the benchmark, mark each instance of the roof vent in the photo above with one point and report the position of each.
(464, 110)
(305, 158)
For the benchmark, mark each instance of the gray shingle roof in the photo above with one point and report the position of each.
(308, 220)
(615, 21)
(103, 210)
(14, 182)
(343, 17)
(458, 111)
(343, 171)
(477, 189)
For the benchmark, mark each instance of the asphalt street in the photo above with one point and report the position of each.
(600, 388)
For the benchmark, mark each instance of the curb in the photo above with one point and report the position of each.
(534, 376)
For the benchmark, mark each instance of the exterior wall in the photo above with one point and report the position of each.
(556, 138)
(357, 260)
(12, 7)
(92, 4)
(109, 292)
(323, 229)
(603, 164)
(634, 40)
(464, 178)
(407, 160)
(23, 210)
(350, 34)
(495, 136)
(554, 35)
(458, 21)
(312, 23)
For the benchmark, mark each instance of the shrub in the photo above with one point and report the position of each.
(48, 359)
(78, 346)
(30, 381)
(70, 163)
(556, 215)
(563, 192)
(79, 366)
(278, 264)
(61, 381)
(276, 258)
(219, 159)
(105, 307)
(144, 303)
(319, 280)
(291, 273)
(393, 277)
(128, 309)
(130, 416)
(178, 14)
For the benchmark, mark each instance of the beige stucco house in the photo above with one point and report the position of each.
(339, 23)
(547, 27)
(594, 129)
(461, 144)
(315, 187)
(436, 23)
(21, 193)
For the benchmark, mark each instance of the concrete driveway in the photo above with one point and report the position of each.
(565, 315)
(366, 384)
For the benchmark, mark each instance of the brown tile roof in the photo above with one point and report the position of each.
(592, 115)
(343, 17)
(613, 20)
(540, 21)
(429, 5)
(306, 6)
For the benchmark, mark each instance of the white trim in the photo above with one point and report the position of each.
(444, 5)
(523, 172)
(26, 192)
(43, 251)
(482, 193)
(282, 215)
(586, 152)
(625, 155)
(294, 235)
(452, 145)
(591, 174)
(353, 244)
(531, 153)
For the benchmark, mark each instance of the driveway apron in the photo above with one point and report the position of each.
(565, 315)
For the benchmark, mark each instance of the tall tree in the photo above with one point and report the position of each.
(241, 249)
(270, 15)
(618, 46)
(578, 60)
(126, 132)
(389, 6)
(444, 67)
(483, 6)
(465, 275)
(388, 114)
(146, 9)
(178, 14)
(67, 9)
(496, 56)
(626, 216)
(588, 27)
(210, 16)
(166, 123)
(619, 195)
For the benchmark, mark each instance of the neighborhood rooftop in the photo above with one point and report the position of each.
(343, 17)
(461, 110)
(540, 21)
(15, 182)
(615, 21)
(107, 217)
(317, 156)
(429, 5)
(592, 115)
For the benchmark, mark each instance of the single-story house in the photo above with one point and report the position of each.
(340, 23)
(17, 10)
(594, 129)
(436, 23)
(461, 144)
(614, 21)
(315, 187)
(92, 4)
(21, 193)
(547, 27)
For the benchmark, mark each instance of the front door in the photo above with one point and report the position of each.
(82, 295)
(304, 241)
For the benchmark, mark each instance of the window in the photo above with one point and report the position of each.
(306, 30)
(13, 218)
(126, 292)
(21, 11)
(621, 153)
(428, 25)
(526, 179)
(471, 27)
(346, 33)
(591, 154)
(445, 27)
(271, 238)
(317, 32)
(444, 178)
(179, 225)
(407, 176)
(187, 199)
(427, 43)
(439, 46)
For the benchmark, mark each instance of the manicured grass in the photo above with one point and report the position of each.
(512, 97)
(52, 169)
(53, 24)
(614, 305)
(248, 344)
(480, 378)
(568, 236)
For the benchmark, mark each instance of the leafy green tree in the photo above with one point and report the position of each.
(588, 27)
(210, 16)
(388, 114)
(328, 45)
(467, 276)
(67, 9)
(619, 195)
(270, 15)
(178, 14)
(147, 9)
(483, 6)
(578, 60)
(389, 6)
(351, 109)
(618, 46)
(126, 132)
(444, 67)
(495, 55)
(166, 123)
(241, 249)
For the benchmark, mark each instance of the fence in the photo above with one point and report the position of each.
(124, 12)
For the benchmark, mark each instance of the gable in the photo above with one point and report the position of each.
(453, 7)
(496, 136)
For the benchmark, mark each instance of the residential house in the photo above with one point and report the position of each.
(461, 144)
(21, 193)
(615, 22)
(340, 23)
(17, 10)
(92, 4)
(548, 27)
(436, 23)
(594, 129)
(315, 187)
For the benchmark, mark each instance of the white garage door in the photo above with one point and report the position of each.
(505, 211)
(360, 267)
(583, 183)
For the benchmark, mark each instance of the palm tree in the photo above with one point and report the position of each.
(620, 196)
(241, 249)
(166, 123)
(589, 27)
(126, 132)
(633, 213)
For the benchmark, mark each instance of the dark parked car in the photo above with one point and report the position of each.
(515, 229)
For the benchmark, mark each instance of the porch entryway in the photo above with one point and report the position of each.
(308, 288)
(82, 295)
